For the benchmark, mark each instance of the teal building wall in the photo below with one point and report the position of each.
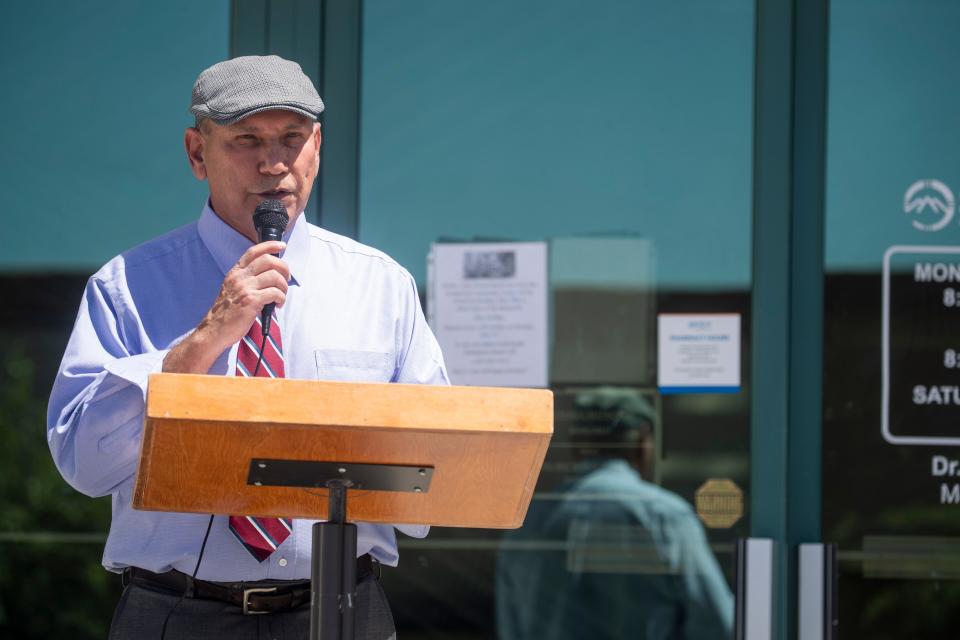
(528, 120)
(94, 103)
(96, 98)
(893, 119)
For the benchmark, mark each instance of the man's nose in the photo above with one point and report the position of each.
(274, 160)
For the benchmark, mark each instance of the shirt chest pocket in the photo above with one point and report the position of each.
(353, 366)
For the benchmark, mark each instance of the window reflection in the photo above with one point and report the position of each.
(607, 553)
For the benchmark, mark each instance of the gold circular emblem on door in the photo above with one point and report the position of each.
(719, 503)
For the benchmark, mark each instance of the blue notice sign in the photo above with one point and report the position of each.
(698, 353)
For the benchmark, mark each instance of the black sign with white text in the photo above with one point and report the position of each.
(921, 346)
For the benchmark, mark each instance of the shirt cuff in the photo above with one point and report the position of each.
(414, 530)
(137, 369)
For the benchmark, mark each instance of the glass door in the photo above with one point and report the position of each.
(580, 177)
(890, 436)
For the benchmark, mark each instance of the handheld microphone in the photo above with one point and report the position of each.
(270, 220)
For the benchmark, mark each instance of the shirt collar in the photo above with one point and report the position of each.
(226, 244)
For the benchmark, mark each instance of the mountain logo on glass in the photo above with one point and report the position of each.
(930, 203)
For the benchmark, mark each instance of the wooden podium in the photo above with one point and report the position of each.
(407, 454)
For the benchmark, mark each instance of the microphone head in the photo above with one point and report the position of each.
(270, 214)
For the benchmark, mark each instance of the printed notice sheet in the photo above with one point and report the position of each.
(698, 353)
(487, 306)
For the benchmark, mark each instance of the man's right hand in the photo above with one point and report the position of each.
(257, 279)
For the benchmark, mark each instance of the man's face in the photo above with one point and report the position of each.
(270, 155)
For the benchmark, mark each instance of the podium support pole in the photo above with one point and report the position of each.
(333, 563)
(334, 571)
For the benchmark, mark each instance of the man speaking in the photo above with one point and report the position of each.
(191, 301)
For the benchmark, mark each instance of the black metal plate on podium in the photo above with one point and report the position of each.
(315, 474)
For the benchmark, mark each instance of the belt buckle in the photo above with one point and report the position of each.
(246, 599)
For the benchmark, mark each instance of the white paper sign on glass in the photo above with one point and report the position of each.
(698, 353)
(487, 306)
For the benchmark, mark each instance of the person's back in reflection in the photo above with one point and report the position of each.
(609, 555)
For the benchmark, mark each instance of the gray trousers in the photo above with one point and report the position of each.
(141, 611)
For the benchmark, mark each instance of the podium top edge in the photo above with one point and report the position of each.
(295, 401)
(334, 384)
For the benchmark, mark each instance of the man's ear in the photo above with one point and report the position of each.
(317, 137)
(193, 143)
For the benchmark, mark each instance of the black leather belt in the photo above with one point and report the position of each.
(268, 596)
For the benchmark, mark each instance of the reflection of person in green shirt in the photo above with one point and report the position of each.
(609, 555)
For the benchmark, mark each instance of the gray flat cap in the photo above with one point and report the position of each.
(234, 89)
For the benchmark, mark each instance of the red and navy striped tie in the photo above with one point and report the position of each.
(261, 536)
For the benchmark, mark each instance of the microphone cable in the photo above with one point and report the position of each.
(206, 536)
(163, 630)
(263, 345)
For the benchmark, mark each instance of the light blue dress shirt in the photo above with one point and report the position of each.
(351, 314)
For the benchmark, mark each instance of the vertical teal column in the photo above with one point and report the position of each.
(806, 274)
(340, 168)
(789, 169)
(287, 28)
(323, 36)
(772, 207)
